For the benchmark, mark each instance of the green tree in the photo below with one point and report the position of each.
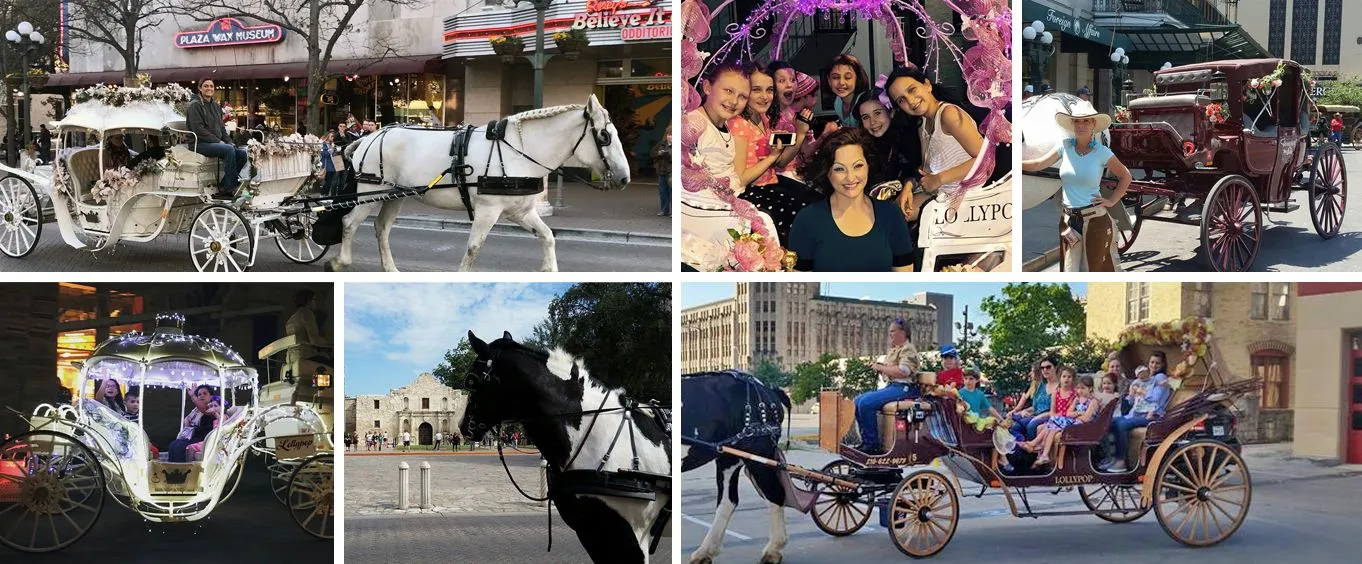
(1026, 321)
(1087, 356)
(453, 370)
(1344, 92)
(811, 377)
(622, 331)
(45, 17)
(770, 374)
(858, 378)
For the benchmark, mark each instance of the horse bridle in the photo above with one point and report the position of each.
(602, 138)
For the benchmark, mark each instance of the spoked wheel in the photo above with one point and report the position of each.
(923, 514)
(51, 491)
(1232, 225)
(1357, 137)
(310, 496)
(1125, 499)
(1202, 493)
(21, 217)
(1135, 205)
(221, 240)
(1328, 191)
(280, 473)
(839, 511)
(302, 249)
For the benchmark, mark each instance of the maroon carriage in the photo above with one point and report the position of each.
(1222, 142)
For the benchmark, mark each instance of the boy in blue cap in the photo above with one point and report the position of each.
(950, 374)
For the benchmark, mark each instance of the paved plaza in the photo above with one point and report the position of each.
(460, 483)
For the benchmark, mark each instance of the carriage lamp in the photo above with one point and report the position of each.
(1220, 87)
(1039, 47)
(321, 380)
(26, 40)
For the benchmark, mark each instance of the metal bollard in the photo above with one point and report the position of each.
(425, 485)
(543, 481)
(402, 470)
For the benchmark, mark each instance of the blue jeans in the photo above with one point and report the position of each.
(233, 158)
(868, 407)
(664, 193)
(1121, 427)
(177, 448)
(1030, 424)
(331, 185)
(1336, 137)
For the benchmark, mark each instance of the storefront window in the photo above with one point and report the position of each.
(610, 69)
(660, 68)
(72, 347)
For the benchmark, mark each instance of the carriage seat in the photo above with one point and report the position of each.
(904, 405)
(1091, 433)
(84, 168)
(1169, 101)
(1140, 435)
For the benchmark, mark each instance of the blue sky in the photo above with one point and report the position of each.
(393, 332)
(971, 293)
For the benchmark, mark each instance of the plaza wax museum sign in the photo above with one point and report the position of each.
(228, 32)
(636, 19)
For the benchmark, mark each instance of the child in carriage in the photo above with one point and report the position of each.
(1081, 410)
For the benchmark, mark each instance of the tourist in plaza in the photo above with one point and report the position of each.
(1085, 94)
(438, 437)
(204, 117)
(331, 163)
(900, 368)
(406, 441)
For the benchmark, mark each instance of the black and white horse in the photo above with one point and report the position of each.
(720, 407)
(588, 432)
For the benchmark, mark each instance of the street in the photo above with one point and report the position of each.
(1293, 518)
(250, 527)
(415, 249)
(1289, 241)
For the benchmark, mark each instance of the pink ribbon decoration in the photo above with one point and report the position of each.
(882, 84)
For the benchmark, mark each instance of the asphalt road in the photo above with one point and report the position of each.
(1291, 521)
(1289, 240)
(414, 249)
(495, 538)
(251, 527)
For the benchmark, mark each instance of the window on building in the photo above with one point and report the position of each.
(1304, 31)
(1258, 300)
(375, 404)
(1280, 307)
(425, 403)
(1274, 371)
(376, 424)
(1333, 28)
(1276, 28)
(406, 403)
(1201, 299)
(1137, 302)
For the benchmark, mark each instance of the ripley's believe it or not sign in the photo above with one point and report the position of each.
(228, 32)
(655, 23)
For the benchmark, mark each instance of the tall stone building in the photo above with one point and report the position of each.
(792, 322)
(424, 407)
(1253, 327)
(945, 305)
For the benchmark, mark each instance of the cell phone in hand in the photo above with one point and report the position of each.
(782, 139)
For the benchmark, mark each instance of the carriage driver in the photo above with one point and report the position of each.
(205, 120)
(899, 367)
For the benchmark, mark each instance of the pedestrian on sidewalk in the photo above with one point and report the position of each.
(438, 437)
(406, 441)
(662, 161)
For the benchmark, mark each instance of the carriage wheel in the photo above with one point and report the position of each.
(310, 496)
(1125, 499)
(221, 240)
(1202, 493)
(1328, 191)
(280, 473)
(923, 514)
(21, 217)
(51, 491)
(1135, 205)
(1356, 137)
(302, 250)
(1232, 225)
(839, 511)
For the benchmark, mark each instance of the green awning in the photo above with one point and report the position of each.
(1205, 43)
(1070, 25)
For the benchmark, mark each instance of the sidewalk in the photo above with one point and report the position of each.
(628, 215)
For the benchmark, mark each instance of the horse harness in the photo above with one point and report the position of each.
(502, 185)
(766, 423)
(629, 484)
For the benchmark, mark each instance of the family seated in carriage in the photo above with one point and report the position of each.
(1058, 398)
(206, 416)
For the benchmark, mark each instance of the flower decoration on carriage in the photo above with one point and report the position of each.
(1265, 85)
(118, 96)
(1123, 115)
(61, 177)
(1188, 148)
(113, 182)
(1191, 335)
(1217, 113)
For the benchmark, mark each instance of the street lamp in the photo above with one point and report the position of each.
(1119, 60)
(1039, 47)
(25, 40)
(539, 58)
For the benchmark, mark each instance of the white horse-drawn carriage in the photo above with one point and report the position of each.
(97, 203)
(976, 236)
(55, 479)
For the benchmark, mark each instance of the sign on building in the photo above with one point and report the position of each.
(228, 32)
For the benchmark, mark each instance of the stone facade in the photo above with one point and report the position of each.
(424, 407)
(792, 322)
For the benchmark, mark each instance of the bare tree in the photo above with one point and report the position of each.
(118, 24)
(44, 17)
(320, 24)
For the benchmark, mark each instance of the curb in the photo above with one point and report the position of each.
(1042, 262)
(505, 229)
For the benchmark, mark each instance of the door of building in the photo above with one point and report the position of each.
(426, 434)
(1354, 403)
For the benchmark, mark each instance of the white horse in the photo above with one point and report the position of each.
(536, 142)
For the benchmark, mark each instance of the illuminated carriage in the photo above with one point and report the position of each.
(97, 205)
(56, 478)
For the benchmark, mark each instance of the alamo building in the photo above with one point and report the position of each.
(424, 407)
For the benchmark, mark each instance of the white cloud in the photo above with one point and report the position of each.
(414, 324)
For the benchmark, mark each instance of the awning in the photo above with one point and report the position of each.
(367, 67)
(1155, 46)
(1057, 21)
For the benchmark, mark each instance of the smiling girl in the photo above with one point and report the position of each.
(849, 231)
(845, 79)
(756, 157)
(950, 137)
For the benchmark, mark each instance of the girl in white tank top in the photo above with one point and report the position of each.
(946, 158)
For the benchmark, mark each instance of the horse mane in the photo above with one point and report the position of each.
(541, 113)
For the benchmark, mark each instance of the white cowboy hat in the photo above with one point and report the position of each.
(1083, 111)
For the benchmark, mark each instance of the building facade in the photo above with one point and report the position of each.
(793, 322)
(1315, 33)
(945, 310)
(626, 65)
(1253, 325)
(424, 407)
(1327, 394)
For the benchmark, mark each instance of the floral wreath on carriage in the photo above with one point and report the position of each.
(986, 67)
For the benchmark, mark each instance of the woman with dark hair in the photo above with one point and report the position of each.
(848, 231)
(111, 395)
(886, 129)
(845, 79)
(950, 137)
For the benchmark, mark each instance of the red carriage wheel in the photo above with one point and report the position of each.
(1136, 206)
(1328, 191)
(1232, 225)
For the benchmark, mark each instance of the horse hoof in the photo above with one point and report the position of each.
(772, 558)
